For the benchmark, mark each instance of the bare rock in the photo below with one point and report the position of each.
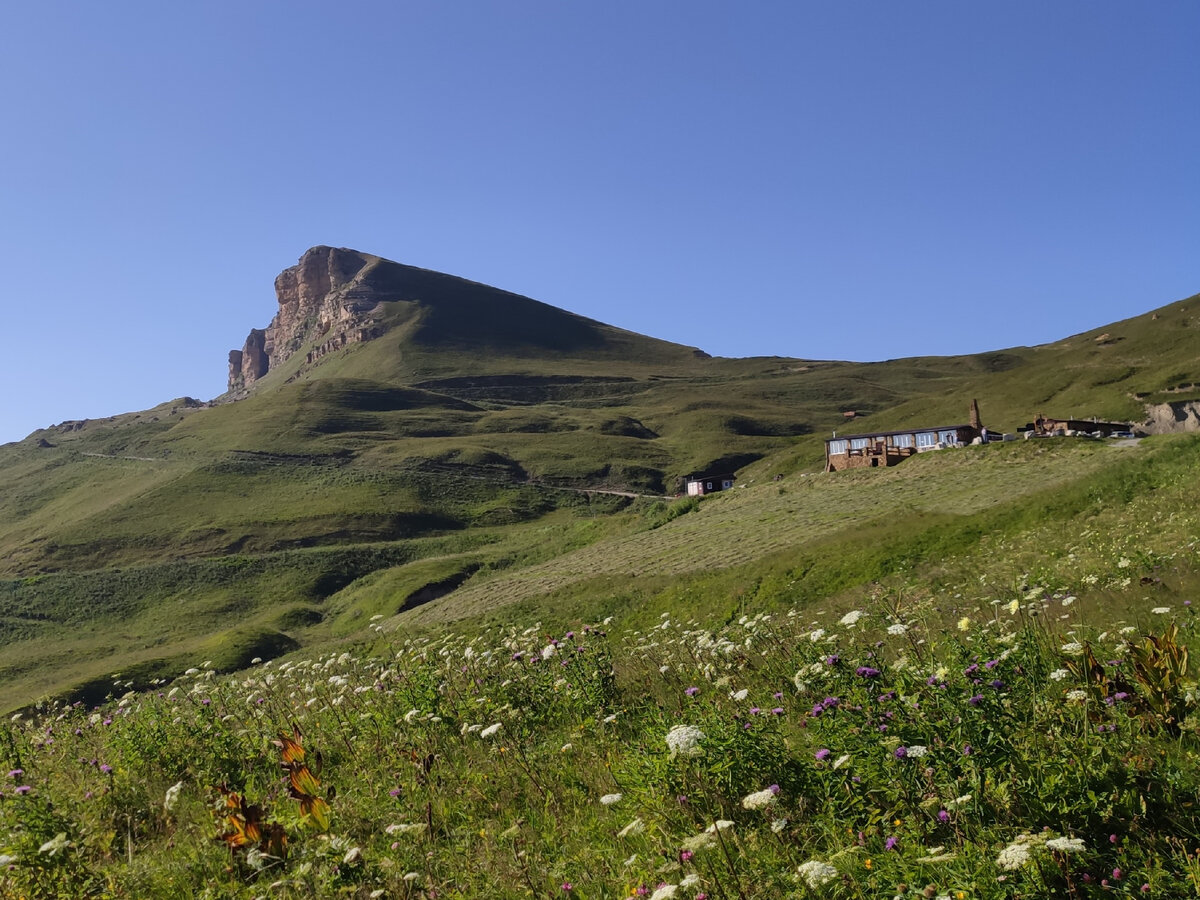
(1168, 418)
(326, 294)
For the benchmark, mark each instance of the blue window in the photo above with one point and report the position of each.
(926, 439)
(902, 440)
(837, 447)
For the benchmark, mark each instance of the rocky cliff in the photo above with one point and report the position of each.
(1169, 418)
(328, 294)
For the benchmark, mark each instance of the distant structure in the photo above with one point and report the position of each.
(1043, 426)
(699, 485)
(890, 448)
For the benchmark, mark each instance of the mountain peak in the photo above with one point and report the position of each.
(334, 297)
(323, 294)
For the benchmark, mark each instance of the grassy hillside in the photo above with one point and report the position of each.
(975, 682)
(481, 419)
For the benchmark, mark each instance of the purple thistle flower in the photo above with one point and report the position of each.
(106, 769)
(16, 773)
(22, 789)
(777, 711)
(832, 660)
(866, 672)
(890, 843)
(692, 691)
(900, 752)
(823, 754)
(943, 816)
(976, 700)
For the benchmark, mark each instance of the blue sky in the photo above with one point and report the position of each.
(859, 180)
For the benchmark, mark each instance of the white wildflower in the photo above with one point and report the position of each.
(719, 825)
(610, 799)
(816, 873)
(1014, 855)
(1072, 648)
(740, 695)
(491, 730)
(1076, 696)
(1067, 600)
(698, 841)
(1013, 606)
(1161, 610)
(171, 800)
(1059, 674)
(778, 825)
(841, 761)
(851, 617)
(637, 826)
(916, 751)
(964, 624)
(898, 628)
(689, 880)
(353, 855)
(664, 892)
(55, 845)
(1124, 562)
(684, 740)
(1066, 845)
(816, 635)
(759, 799)
(548, 651)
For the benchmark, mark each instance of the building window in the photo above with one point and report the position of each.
(902, 440)
(926, 439)
(948, 437)
(859, 443)
(837, 447)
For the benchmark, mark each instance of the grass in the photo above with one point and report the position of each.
(902, 746)
(425, 513)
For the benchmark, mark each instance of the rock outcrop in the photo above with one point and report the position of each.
(326, 293)
(1168, 418)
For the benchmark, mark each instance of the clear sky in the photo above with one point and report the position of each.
(855, 180)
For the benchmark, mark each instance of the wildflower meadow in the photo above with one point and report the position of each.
(1009, 749)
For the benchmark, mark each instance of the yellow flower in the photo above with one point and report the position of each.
(964, 624)
(867, 864)
(898, 823)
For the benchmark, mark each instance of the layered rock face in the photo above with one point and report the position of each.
(324, 294)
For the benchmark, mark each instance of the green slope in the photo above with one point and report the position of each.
(480, 419)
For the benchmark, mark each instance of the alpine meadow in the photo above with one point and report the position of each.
(457, 594)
